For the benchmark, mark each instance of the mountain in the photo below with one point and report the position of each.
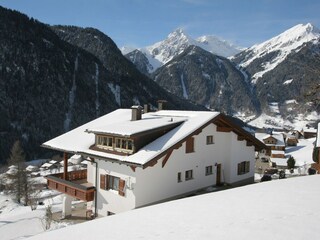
(284, 71)
(265, 56)
(49, 86)
(209, 80)
(177, 41)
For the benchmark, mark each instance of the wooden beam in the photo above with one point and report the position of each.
(241, 138)
(150, 163)
(133, 168)
(249, 143)
(166, 158)
(65, 166)
(224, 129)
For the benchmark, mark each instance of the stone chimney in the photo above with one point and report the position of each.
(136, 112)
(161, 104)
(146, 108)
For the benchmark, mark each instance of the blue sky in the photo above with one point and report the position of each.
(140, 23)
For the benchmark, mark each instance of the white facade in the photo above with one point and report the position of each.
(157, 183)
(158, 167)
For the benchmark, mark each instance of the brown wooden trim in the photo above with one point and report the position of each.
(122, 184)
(190, 145)
(249, 144)
(151, 163)
(133, 168)
(223, 129)
(103, 181)
(72, 189)
(166, 158)
(240, 138)
(65, 166)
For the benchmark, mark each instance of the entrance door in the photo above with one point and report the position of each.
(218, 181)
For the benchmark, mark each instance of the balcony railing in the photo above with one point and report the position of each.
(76, 185)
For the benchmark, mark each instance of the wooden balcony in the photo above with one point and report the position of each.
(76, 185)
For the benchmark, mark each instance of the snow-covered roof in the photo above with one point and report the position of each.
(46, 165)
(280, 161)
(79, 140)
(129, 128)
(277, 152)
(12, 171)
(31, 168)
(278, 137)
(216, 216)
(309, 130)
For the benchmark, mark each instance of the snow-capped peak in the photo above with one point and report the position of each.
(217, 46)
(176, 42)
(286, 42)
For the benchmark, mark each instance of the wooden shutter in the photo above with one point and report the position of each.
(190, 145)
(122, 184)
(107, 181)
(102, 181)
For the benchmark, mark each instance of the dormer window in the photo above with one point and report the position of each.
(115, 144)
(104, 141)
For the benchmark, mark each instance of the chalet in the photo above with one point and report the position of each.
(272, 141)
(290, 140)
(309, 132)
(137, 159)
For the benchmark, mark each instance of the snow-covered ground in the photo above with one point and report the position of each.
(263, 210)
(18, 222)
(284, 209)
(277, 121)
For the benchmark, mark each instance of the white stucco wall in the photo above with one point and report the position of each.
(157, 183)
(110, 200)
(154, 184)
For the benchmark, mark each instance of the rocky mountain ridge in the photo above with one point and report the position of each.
(176, 42)
(280, 74)
(49, 84)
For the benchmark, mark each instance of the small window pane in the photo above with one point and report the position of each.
(129, 144)
(179, 177)
(210, 140)
(189, 175)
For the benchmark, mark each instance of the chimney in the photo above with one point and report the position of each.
(136, 112)
(146, 108)
(161, 104)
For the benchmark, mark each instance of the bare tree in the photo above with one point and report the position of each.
(17, 158)
(47, 218)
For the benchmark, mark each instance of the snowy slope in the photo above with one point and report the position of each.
(283, 209)
(282, 45)
(177, 41)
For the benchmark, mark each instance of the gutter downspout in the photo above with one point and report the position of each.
(96, 192)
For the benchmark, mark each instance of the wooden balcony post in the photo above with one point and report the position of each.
(65, 166)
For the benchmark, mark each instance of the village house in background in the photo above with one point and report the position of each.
(137, 158)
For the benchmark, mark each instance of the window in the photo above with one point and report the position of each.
(118, 142)
(124, 144)
(243, 167)
(210, 140)
(179, 177)
(104, 141)
(189, 175)
(209, 170)
(109, 182)
(190, 145)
